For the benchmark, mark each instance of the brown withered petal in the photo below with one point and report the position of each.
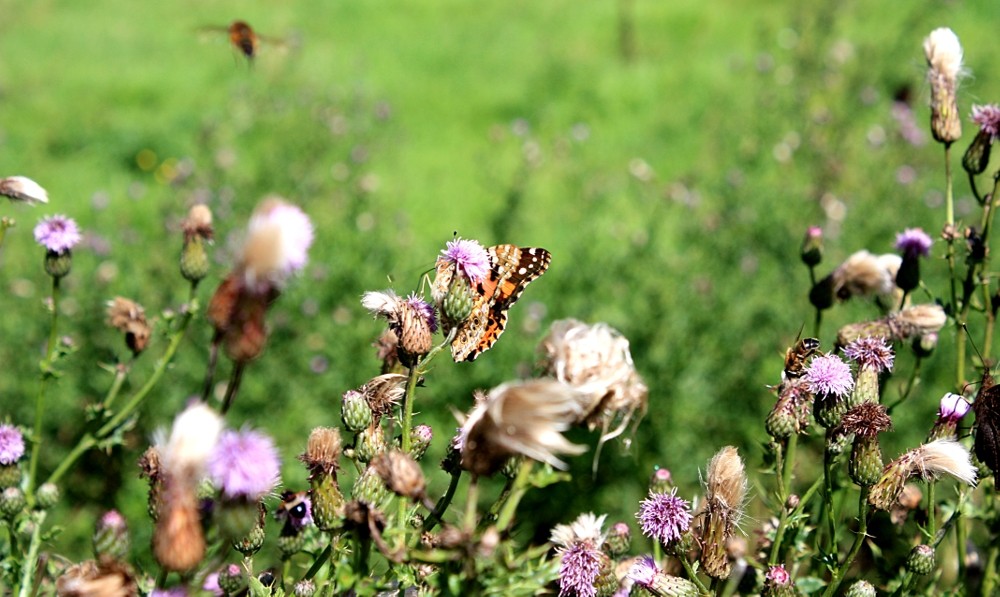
(401, 474)
(129, 317)
(384, 392)
(387, 351)
(867, 420)
(322, 451)
(198, 223)
(93, 579)
(178, 542)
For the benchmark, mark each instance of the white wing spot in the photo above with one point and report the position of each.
(522, 271)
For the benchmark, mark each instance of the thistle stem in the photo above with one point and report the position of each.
(40, 399)
(520, 487)
(435, 517)
(471, 503)
(31, 558)
(693, 576)
(859, 539)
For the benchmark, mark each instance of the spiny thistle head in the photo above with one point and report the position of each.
(930, 461)
(401, 474)
(11, 444)
(866, 420)
(111, 538)
(468, 257)
(829, 374)
(664, 517)
(921, 560)
(322, 453)
(582, 563)
(914, 242)
(725, 496)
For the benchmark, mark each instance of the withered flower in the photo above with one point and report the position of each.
(865, 421)
(928, 462)
(129, 317)
(383, 393)
(402, 475)
(867, 275)
(412, 320)
(22, 188)
(944, 67)
(92, 579)
(910, 323)
(596, 361)
(520, 418)
(725, 499)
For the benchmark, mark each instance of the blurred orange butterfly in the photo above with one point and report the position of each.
(244, 39)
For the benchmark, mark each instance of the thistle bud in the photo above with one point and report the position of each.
(618, 540)
(236, 518)
(355, 411)
(921, 560)
(290, 545)
(369, 488)
(46, 496)
(401, 474)
(812, 247)
(977, 156)
(111, 538)
(457, 304)
(866, 422)
(232, 580)
(12, 502)
(194, 260)
(251, 543)
(861, 588)
(58, 234)
(420, 440)
(304, 588)
(371, 443)
(58, 265)
(327, 503)
(778, 583)
(822, 294)
(661, 481)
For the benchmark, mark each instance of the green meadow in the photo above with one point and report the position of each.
(670, 155)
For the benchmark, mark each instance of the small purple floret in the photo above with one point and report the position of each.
(426, 311)
(664, 516)
(579, 568)
(57, 233)
(988, 119)
(11, 444)
(244, 464)
(872, 352)
(953, 407)
(469, 257)
(643, 572)
(829, 374)
(914, 242)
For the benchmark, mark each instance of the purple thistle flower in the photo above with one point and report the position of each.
(11, 444)
(664, 516)
(829, 374)
(988, 119)
(953, 407)
(244, 464)
(914, 242)
(579, 568)
(871, 352)
(469, 257)
(211, 585)
(57, 233)
(643, 572)
(777, 576)
(418, 304)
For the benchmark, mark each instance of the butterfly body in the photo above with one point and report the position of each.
(987, 426)
(511, 269)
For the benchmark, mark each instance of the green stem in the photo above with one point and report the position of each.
(435, 517)
(911, 383)
(827, 504)
(506, 516)
(31, 558)
(960, 534)
(955, 307)
(40, 400)
(693, 576)
(121, 372)
(320, 561)
(471, 504)
(990, 578)
(859, 539)
(786, 474)
(134, 402)
(931, 509)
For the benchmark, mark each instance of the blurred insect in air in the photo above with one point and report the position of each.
(245, 40)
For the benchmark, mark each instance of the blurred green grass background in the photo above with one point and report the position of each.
(672, 188)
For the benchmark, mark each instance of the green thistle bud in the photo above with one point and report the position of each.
(619, 540)
(606, 582)
(865, 387)
(457, 304)
(327, 503)
(304, 588)
(829, 409)
(865, 465)
(194, 259)
(812, 247)
(861, 588)
(252, 541)
(111, 538)
(369, 488)
(46, 496)
(237, 518)
(821, 294)
(12, 502)
(510, 467)
(58, 265)
(232, 580)
(671, 586)
(290, 545)
(977, 156)
(10, 475)
(781, 421)
(355, 411)
(836, 442)
(371, 443)
(921, 560)
(420, 440)
(661, 481)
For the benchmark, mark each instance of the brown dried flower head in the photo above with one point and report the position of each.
(383, 393)
(401, 474)
(178, 541)
(411, 320)
(928, 462)
(520, 418)
(92, 579)
(866, 420)
(22, 188)
(198, 223)
(913, 322)
(387, 351)
(322, 453)
(596, 361)
(866, 275)
(129, 317)
(944, 62)
(725, 497)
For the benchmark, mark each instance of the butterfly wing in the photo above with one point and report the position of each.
(511, 269)
(987, 427)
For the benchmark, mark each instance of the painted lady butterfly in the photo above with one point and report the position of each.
(511, 269)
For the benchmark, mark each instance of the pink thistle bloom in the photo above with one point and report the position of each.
(664, 516)
(579, 568)
(777, 576)
(422, 307)
(953, 407)
(469, 257)
(278, 240)
(211, 585)
(643, 572)
(988, 119)
(174, 592)
(11, 444)
(914, 242)
(871, 352)
(57, 233)
(829, 374)
(244, 464)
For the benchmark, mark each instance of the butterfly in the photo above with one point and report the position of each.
(987, 425)
(511, 269)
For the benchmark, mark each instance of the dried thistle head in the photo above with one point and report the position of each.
(595, 359)
(520, 418)
(198, 223)
(866, 275)
(22, 188)
(383, 393)
(866, 420)
(725, 496)
(401, 474)
(322, 451)
(412, 320)
(192, 438)
(97, 579)
(928, 462)
(944, 62)
(178, 539)
(129, 317)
